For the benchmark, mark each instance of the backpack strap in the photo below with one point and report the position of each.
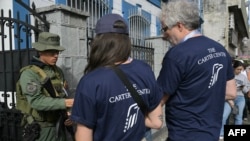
(135, 95)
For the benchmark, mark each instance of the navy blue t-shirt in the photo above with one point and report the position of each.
(194, 74)
(103, 103)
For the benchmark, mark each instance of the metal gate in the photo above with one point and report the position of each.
(139, 27)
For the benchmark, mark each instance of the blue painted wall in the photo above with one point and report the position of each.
(111, 5)
(125, 9)
(158, 27)
(148, 16)
(60, 2)
(155, 2)
(22, 15)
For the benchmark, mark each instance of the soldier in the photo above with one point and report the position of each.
(41, 97)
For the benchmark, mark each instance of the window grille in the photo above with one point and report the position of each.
(139, 26)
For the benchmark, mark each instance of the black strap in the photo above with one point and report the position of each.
(49, 87)
(138, 99)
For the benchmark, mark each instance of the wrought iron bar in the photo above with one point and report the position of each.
(47, 24)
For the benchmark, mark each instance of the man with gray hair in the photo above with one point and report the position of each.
(196, 76)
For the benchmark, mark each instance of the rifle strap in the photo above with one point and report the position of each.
(45, 81)
(138, 99)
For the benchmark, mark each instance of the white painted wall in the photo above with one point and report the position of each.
(42, 3)
(6, 5)
(117, 4)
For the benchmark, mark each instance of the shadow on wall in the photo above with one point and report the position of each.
(68, 76)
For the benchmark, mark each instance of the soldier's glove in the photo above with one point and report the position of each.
(31, 132)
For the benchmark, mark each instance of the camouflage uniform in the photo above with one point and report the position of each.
(44, 109)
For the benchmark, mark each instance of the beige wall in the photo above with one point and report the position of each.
(216, 22)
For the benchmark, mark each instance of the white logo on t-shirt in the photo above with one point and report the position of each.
(132, 115)
(216, 69)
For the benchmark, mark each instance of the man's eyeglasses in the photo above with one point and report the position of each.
(164, 29)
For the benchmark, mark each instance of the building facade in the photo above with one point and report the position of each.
(226, 22)
(74, 21)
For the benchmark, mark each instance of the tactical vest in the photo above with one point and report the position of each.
(44, 118)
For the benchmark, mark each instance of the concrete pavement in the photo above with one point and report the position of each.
(161, 135)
